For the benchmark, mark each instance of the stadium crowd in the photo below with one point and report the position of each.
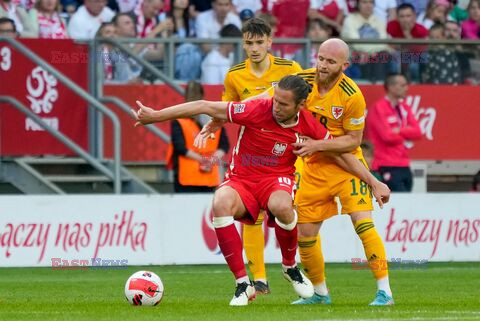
(315, 19)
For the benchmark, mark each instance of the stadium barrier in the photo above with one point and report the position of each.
(177, 229)
(437, 108)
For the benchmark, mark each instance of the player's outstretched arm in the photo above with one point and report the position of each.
(146, 115)
(350, 163)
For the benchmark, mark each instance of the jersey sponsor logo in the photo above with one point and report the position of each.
(246, 92)
(238, 108)
(279, 148)
(320, 108)
(337, 111)
(357, 121)
(266, 130)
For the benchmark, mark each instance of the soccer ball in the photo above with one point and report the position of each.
(144, 288)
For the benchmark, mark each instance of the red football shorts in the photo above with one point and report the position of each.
(256, 193)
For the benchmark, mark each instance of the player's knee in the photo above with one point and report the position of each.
(282, 210)
(222, 207)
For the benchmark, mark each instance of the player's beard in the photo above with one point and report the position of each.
(329, 79)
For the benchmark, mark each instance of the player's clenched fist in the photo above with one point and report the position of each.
(144, 115)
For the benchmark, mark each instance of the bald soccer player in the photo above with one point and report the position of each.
(337, 103)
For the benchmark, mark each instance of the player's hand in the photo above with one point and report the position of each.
(306, 147)
(208, 132)
(144, 115)
(381, 192)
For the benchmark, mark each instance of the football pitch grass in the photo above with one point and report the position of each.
(442, 291)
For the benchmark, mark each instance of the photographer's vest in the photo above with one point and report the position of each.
(189, 173)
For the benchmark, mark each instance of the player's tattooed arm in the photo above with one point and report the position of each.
(146, 115)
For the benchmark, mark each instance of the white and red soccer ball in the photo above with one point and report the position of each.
(144, 288)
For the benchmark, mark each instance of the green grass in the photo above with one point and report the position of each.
(444, 291)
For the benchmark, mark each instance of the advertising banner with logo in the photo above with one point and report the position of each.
(177, 229)
(44, 95)
(445, 114)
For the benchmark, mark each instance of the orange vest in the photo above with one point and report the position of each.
(189, 173)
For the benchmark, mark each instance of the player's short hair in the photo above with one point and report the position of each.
(391, 79)
(297, 85)
(256, 27)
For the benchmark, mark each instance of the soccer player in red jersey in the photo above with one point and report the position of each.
(261, 173)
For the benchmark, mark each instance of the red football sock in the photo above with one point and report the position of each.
(288, 244)
(231, 246)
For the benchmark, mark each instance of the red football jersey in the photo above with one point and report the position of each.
(264, 146)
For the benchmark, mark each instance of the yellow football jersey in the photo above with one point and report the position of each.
(240, 83)
(342, 109)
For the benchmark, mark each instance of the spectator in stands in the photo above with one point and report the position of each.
(19, 15)
(385, 10)
(217, 62)
(471, 26)
(405, 25)
(46, 20)
(459, 12)
(88, 18)
(391, 127)
(453, 31)
(7, 28)
(188, 56)
(126, 70)
(195, 170)
(152, 23)
(198, 6)
(292, 19)
(332, 12)
(419, 6)
(126, 5)
(253, 5)
(210, 22)
(436, 12)
(106, 30)
(363, 24)
(147, 17)
(317, 31)
(183, 25)
(442, 66)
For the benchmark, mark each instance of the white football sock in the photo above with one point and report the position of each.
(321, 288)
(384, 285)
(243, 279)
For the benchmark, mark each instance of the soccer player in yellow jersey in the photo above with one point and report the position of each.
(254, 76)
(339, 105)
